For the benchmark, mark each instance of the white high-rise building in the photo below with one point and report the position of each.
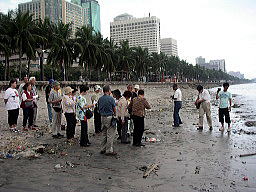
(200, 61)
(169, 47)
(144, 32)
(218, 65)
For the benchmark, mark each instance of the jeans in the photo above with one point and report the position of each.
(176, 115)
(13, 117)
(71, 125)
(108, 132)
(138, 129)
(49, 107)
(122, 129)
(28, 115)
(97, 121)
(84, 133)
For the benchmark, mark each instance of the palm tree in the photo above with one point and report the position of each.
(6, 24)
(61, 52)
(141, 57)
(24, 37)
(87, 48)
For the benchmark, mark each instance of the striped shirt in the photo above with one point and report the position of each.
(138, 106)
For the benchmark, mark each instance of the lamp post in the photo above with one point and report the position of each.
(40, 52)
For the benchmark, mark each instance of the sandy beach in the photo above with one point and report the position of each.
(188, 160)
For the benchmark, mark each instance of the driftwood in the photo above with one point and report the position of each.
(247, 155)
(151, 168)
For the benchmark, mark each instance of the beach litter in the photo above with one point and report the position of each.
(245, 178)
(247, 155)
(58, 166)
(147, 170)
(250, 123)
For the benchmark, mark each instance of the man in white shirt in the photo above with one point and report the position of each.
(204, 106)
(177, 97)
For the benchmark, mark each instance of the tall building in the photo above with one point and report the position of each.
(200, 61)
(218, 65)
(91, 13)
(76, 12)
(144, 32)
(237, 74)
(169, 47)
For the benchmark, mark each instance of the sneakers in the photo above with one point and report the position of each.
(210, 128)
(229, 129)
(221, 129)
(200, 128)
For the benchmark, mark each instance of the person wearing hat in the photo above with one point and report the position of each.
(69, 109)
(47, 93)
(55, 99)
(97, 118)
(136, 89)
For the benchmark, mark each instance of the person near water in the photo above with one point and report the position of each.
(27, 105)
(107, 109)
(25, 80)
(32, 80)
(177, 97)
(47, 93)
(81, 108)
(225, 98)
(97, 118)
(69, 110)
(123, 115)
(138, 106)
(55, 98)
(203, 103)
(12, 104)
(117, 95)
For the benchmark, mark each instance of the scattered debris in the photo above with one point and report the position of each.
(247, 155)
(197, 171)
(39, 149)
(70, 164)
(58, 166)
(245, 178)
(151, 168)
(250, 123)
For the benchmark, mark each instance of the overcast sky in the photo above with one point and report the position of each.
(214, 29)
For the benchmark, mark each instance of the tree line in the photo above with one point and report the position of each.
(98, 58)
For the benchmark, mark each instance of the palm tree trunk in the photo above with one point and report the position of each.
(20, 57)
(29, 61)
(6, 68)
(41, 64)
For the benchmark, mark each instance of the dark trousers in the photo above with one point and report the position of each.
(13, 117)
(84, 133)
(71, 125)
(224, 113)
(122, 129)
(28, 116)
(138, 129)
(176, 115)
(97, 121)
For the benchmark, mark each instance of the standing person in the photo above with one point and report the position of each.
(25, 80)
(123, 115)
(177, 97)
(225, 106)
(55, 99)
(135, 92)
(130, 88)
(81, 108)
(69, 110)
(47, 93)
(97, 117)
(204, 105)
(138, 106)
(27, 105)
(32, 80)
(107, 110)
(117, 95)
(12, 104)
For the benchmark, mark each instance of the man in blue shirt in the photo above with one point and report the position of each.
(107, 110)
(225, 106)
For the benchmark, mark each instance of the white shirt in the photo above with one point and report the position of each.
(178, 95)
(13, 100)
(24, 96)
(205, 95)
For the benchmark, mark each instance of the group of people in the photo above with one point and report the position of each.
(112, 111)
(203, 104)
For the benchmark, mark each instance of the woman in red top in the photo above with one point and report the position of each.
(27, 105)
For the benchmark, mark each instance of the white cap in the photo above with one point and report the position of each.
(97, 87)
(136, 87)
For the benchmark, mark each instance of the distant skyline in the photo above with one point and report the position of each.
(213, 29)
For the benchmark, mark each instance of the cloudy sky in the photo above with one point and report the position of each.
(214, 29)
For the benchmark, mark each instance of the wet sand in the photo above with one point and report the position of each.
(188, 160)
